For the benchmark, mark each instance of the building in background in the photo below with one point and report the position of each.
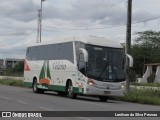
(11, 62)
(1, 63)
(1, 66)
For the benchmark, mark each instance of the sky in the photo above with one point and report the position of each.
(63, 18)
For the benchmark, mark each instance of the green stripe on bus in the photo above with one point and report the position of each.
(58, 88)
(63, 88)
(27, 84)
(78, 90)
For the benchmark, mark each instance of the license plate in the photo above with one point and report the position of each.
(107, 92)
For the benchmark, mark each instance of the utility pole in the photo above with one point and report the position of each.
(38, 26)
(41, 20)
(128, 42)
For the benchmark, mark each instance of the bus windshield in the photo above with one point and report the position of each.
(105, 64)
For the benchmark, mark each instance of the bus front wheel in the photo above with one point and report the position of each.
(103, 98)
(35, 88)
(70, 92)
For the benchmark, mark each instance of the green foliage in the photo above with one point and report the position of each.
(19, 67)
(12, 82)
(151, 78)
(146, 84)
(143, 96)
(149, 39)
(16, 71)
(146, 49)
(132, 76)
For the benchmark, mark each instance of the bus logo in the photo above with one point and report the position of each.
(6, 114)
(45, 76)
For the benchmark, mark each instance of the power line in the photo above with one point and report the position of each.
(25, 36)
(84, 28)
(13, 42)
(112, 26)
(16, 52)
(147, 20)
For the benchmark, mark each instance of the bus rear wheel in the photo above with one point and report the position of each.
(35, 88)
(70, 92)
(103, 98)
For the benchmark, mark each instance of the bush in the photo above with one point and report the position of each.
(143, 96)
(151, 78)
(132, 76)
(12, 82)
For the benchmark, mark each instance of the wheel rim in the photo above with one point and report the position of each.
(35, 86)
(70, 89)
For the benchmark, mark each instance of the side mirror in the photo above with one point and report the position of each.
(130, 60)
(79, 59)
(85, 53)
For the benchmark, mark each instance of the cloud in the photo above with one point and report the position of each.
(23, 10)
(19, 17)
(101, 10)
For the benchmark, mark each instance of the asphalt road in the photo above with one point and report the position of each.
(23, 99)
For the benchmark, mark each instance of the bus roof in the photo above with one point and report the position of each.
(92, 40)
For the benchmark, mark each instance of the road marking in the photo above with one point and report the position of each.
(22, 102)
(47, 108)
(6, 98)
(84, 118)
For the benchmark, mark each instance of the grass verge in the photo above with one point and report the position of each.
(12, 82)
(141, 96)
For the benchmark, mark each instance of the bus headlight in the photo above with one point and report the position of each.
(123, 86)
(90, 81)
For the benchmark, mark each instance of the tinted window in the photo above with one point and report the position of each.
(51, 52)
(105, 64)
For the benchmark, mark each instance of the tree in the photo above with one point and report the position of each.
(148, 39)
(146, 49)
(19, 67)
(17, 70)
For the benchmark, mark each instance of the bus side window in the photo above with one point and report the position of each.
(81, 64)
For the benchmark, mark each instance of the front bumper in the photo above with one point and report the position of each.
(91, 90)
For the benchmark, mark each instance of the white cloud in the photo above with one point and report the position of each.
(18, 18)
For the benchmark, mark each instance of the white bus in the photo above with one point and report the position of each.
(79, 65)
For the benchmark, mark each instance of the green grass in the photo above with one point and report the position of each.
(12, 82)
(147, 84)
(141, 96)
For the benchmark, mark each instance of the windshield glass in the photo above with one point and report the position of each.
(105, 64)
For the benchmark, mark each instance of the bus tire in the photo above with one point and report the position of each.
(70, 92)
(103, 98)
(35, 88)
